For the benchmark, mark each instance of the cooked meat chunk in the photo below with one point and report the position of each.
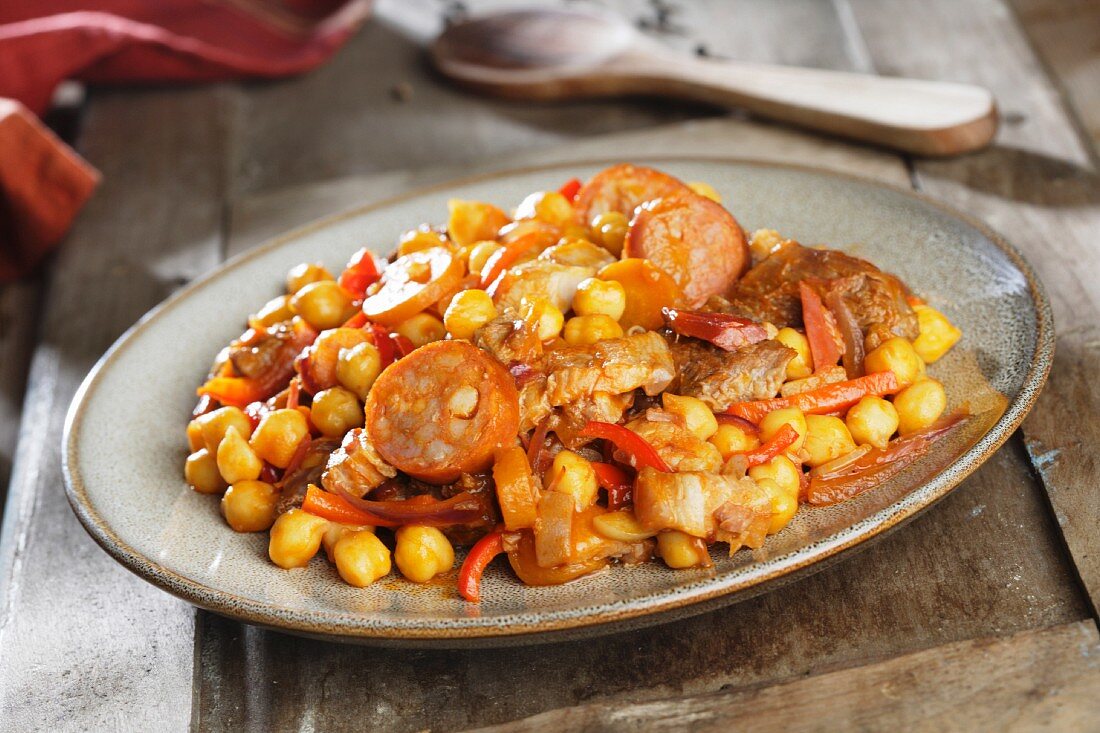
(355, 467)
(614, 366)
(721, 378)
(539, 280)
(675, 444)
(769, 291)
(259, 353)
(510, 340)
(292, 487)
(690, 501)
(599, 406)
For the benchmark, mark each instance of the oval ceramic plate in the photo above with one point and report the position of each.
(125, 445)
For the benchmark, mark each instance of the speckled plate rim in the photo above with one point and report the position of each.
(531, 626)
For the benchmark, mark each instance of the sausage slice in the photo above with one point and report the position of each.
(442, 411)
(693, 239)
(623, 188)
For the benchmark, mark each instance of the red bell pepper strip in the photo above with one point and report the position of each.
(570, 188)
(385, 345)
(504, 258)
(234, 391)
(403, 344)
(620, 488)
(357, 321)
(879, 464)
(823, 400)
(783, 439)
(629, 442)
(360, 273)
(739, 422)
(336, 508)
(721, 329)
(820, 330)
(473, 567)
(293, 393)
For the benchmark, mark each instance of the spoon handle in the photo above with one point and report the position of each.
(922, 117)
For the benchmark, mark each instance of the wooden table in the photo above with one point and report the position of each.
(979, 614)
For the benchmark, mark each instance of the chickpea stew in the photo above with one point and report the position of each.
(613, 372)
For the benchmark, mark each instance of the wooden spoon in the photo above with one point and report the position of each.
(563, 54)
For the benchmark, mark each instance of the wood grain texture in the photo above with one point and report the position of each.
(1035, 680)
(988, 560)
(19, 305)
(86, 645)
(1064, 34)
(1038, 186)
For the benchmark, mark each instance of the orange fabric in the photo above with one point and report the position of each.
(43, 184)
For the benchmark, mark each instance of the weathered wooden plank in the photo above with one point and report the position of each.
(88, 646)
(18, 325)
(985, 561)
(1035, 680)
(1063, 34)
(1039, 187)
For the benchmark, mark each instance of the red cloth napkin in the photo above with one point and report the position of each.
(43, 183)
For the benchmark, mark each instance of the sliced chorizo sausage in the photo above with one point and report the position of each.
(442, 411)
(623, 188)
(694, 240)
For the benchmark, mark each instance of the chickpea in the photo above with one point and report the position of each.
(422, 553)
(919, 405)
(600, 297)
(680, 550)
(621, 525)
(572, 474)
(587, 330)
(782, 471)
(827, 437)
(697, 416)
(937, 334)
(421, 329)
(335, 531)
(802, 365)
(214, 425)
(731, 439)
(295, 538)
(336, 411)
(776, 419)
(480, 254)
(361, 558)
(872, 421)
(201, 472)
(275, 311)
(609, 231)
(423, 237)
(784, 504)
(304, 274)
(358, 367)
(469, 311)
(278, 435)
(249, 506)
(194, 436)
(546, 317)
(323, 304)
(706, 190)
(473, 221)
(547, 206)
(898, 356)
(236, 459)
